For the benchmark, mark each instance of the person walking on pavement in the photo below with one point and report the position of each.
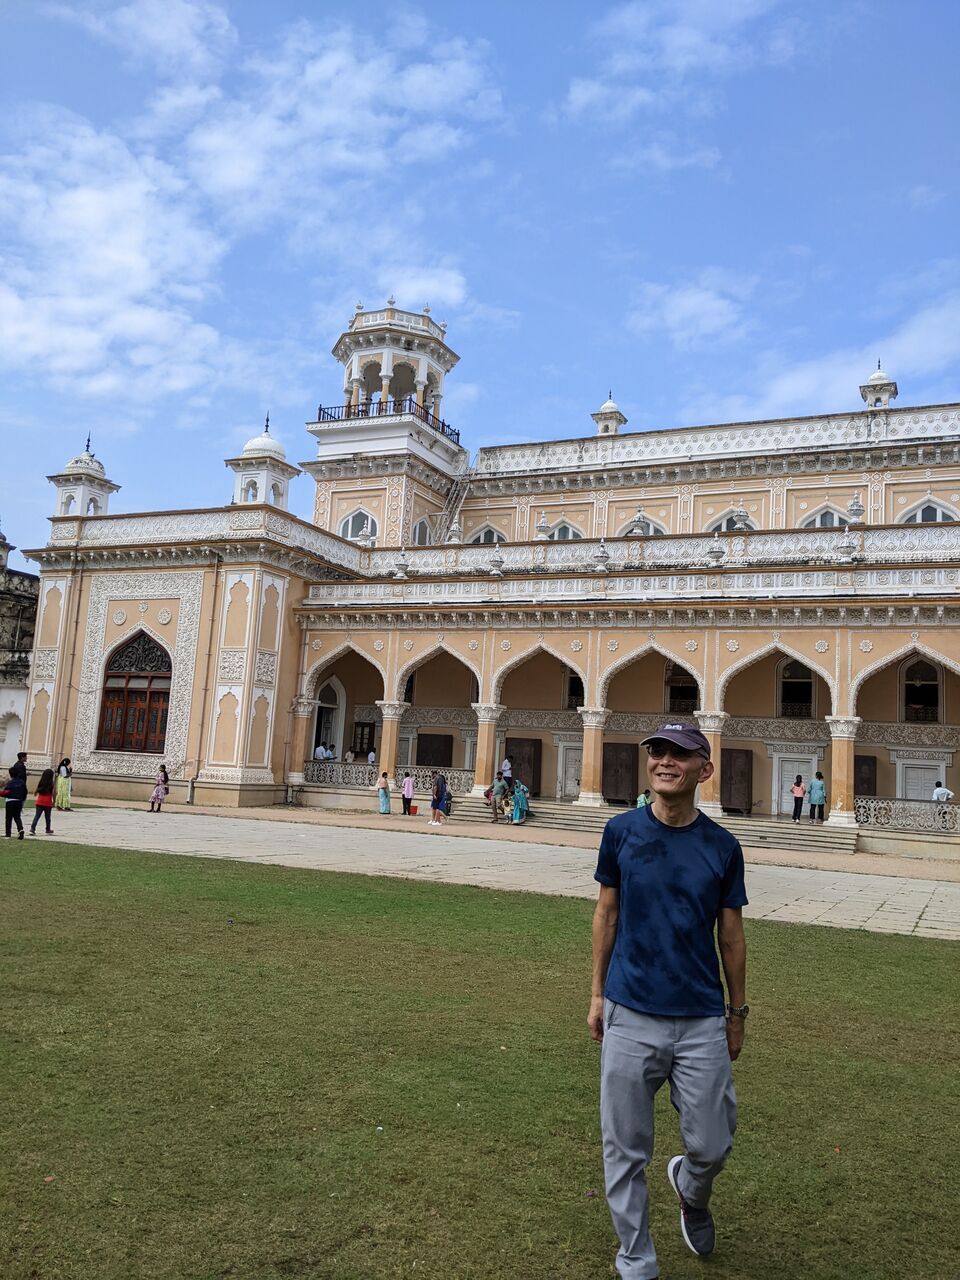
(669, 876)
(62, 793)
(798, 791)
(438, 801)
(44, 802)
(497, 797)
(161, 789)
(383, 793)
(817, 796)
(406, 792)
(15, 795)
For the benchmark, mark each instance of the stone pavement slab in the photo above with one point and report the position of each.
(881, 903)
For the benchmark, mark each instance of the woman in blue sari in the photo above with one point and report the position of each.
(520, 802)
(383, 790)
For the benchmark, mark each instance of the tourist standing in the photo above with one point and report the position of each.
(521, 806)
(44, 802)
(507, 770)
(942, 793)
(161, 789)
(643, 798)
(438, 801)
(817, 796)
(498, 794)
(63, 785)
(15, 793)
(406, 792)
(371, 756)
(669, 876)
(798, 791)
(383, 793)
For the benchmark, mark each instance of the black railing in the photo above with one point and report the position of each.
(383, 408)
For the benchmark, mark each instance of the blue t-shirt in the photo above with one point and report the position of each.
(673, 882)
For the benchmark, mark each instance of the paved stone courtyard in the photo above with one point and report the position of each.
(882, 903)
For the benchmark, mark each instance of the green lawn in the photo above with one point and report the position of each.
(183, 1097)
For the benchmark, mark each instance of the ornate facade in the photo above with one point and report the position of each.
(791, 585)
(18, 612)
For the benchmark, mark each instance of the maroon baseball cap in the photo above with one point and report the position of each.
(681, 735)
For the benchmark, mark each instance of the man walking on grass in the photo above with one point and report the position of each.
(668, 877)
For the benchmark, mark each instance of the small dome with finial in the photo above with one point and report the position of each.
(85, 463)
(610, 405)
(878, 375)
(265, 445)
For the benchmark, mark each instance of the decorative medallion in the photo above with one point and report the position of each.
(866, 646)
(576, 645)
(540, 638)
(408, 645)
(505, 645)
(316, 645)
(802, 506)
(164, 616)
(613, 645)
(733, 646)
(914, 636)
(378, 645)
(473, 645)
(439, 637)
(691, 646)
(775, 636)
(142, 607)
(119, 617)
(822, 646)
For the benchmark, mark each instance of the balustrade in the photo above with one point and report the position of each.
(930, 816)
(334, 773)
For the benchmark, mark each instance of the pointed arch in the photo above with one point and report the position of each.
(725, 523)
(405, 672)
(945, 512)
(913, 648)
(309, 679)
(481, 535)
(646, 529)
(351, 526)
(541, 646)
(776, 646)
(819, 518)
(651, 646)
(136, 676)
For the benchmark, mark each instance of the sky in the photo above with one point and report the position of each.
(720, 211)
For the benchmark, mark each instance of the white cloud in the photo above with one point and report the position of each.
(181, 38)
(923, 196)
(710, 308)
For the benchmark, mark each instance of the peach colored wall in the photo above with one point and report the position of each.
(753, 691)
(639, 687)
(537, 684)
(443, 681)
(50, 618)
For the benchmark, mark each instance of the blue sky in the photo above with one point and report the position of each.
(720, 209)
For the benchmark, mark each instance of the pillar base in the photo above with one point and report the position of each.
(840, 818)
(295, 779)
(711, 808)
(591, 799)
(478, 789)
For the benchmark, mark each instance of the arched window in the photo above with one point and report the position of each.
(921, 692)
(329, 718)
(488, 535)
(250, 491)
(136, 696)
(641, 529)
(353, 525)
(564, 533)
(826, 519)
(930, 513)
(421, 534)
(683, 695)
(276, 493)
(93, 507)
(69, 502)
(796, 691)
(729, 525)
(575, 694)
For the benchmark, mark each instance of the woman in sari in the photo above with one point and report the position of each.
(62, 793)
(521, 806)
(383, 792)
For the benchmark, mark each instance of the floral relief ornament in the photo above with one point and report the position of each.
(691, 646)
(164, 616)
(505, 646)
(866, 646)
(576, 645)
(119, 617)
(822, 646)
(733, 646)
(408, 645)
(316, 645)
(473, 645)
(378, 645)
(613, 645)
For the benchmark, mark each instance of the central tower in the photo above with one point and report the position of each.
(386, 460)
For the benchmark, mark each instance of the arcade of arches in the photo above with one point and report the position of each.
(573, 725)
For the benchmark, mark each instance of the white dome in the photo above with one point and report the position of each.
(878, 376)
(85, 464)
(609, 406)
(264, 444)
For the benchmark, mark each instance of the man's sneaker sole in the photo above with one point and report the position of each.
(673, 1169)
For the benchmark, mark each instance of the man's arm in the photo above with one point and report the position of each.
(604, 935)
(733, 957)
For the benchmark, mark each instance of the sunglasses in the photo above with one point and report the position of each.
(660, 750)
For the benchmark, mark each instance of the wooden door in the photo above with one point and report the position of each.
(435, 749)
(621, 772)
(736, 779)
(864, 775)
(526, 754)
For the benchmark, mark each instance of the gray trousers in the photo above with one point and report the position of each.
(638, 1054)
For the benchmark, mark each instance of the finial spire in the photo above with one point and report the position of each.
(87, 447)
(878, 363)
(610, 394)
(266, 425)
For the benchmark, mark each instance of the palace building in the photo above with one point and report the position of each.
(790, 585)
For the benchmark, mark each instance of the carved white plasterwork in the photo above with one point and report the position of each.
(235, 776)
(822, 646)
(378, 645)
(473, 645)
(883, 734)
(918, 753)
(576, 645)
(733, 646)
(506, 646)
(843, 726)
(316, 645)
(232, 665)
(44, 664)
(187, 588)
(764, 730)
(164, 616)
(866, 646)
(408, 645)
(691, 646)
(593, 717)
(119, 617)
(613, 645)
(265, 668)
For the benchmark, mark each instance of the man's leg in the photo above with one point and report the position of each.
(701, 1089)
(634, 1061)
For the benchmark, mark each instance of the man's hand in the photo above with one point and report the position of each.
(735, 1032)
(595, 1017)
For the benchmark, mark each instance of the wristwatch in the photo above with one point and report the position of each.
(737, 1010)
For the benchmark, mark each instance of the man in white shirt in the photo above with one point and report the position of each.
(941, 793)
(320, 753)
(372, 756)
(507, 770)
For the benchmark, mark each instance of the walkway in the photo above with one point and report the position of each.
(881, 903)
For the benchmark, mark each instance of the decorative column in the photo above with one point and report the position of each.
(711, 726)
(384, 393)
(355, 395)
(591, 769)
(421, 388)
(303, 709)
(843, 744)
(485, 768)
(392, 713)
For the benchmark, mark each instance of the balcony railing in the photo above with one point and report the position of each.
(400, 407)
(908, 815)
(333, 773)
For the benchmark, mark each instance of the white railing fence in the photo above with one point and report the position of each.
(333, 773)
(908, 815)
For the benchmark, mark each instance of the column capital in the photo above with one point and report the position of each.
(303, 707)
(843, 726)
(392, 710)
(488, 712)
(594, 717)
(711, 721)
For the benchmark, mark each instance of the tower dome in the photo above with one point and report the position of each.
(608, 417)
(83, 488)
(878, 390)
(265, 445)
(261, 472)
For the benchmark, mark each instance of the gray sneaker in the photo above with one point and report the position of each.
(696, 1224)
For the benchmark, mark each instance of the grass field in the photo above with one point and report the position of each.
(378, 1078)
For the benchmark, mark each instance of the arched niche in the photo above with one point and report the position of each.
(751, 688)
(358, 683)
(650, 681)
